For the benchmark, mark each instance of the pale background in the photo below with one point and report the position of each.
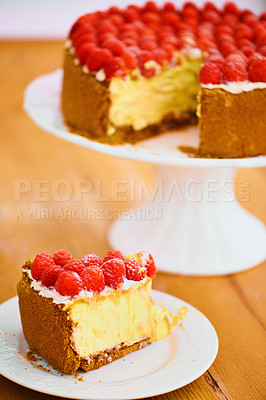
(26, 19)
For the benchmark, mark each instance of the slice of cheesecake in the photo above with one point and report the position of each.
(85, 316)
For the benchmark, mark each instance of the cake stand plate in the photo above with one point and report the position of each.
(192, 223)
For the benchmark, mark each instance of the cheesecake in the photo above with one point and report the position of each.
(136, 72)
(87, 313)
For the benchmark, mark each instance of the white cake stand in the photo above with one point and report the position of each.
(193, 224)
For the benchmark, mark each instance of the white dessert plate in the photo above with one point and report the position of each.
(183, 356)
(42, 103)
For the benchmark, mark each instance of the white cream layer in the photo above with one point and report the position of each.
(237, 87)
(84, 294)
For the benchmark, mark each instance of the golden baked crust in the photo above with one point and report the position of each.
(47, 330)
(232, 125)
(86, 103)
(108, 356)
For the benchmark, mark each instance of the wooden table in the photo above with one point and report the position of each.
(234, 304)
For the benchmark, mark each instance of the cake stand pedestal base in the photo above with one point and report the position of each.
(194, 225)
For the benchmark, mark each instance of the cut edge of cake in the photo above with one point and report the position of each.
(87, 106)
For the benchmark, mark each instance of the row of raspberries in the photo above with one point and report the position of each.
(120, 40)
(235, 68)
(69, 276)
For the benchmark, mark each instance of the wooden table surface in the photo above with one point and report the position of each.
(234, 304)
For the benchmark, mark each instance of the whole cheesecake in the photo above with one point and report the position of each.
(136, 72)
(86, 314)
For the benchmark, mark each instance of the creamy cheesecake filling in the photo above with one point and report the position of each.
(119, 318)
(139, 102)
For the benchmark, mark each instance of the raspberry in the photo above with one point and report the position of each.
(74, 265)
(229, 19)
(244, 13)
(50, 275)
(227, 48)
(239, 56)
(151, 18)
(261, 38)
(147, 260)
(209, 6)
(210, 73)
(98, 58)
(231, 8)
(216, 59)
(205, 44)
(214, 52)
(143, 58)
(113, 254)
(91, 18)
(224, 29)
(160, 56)
(189, 13)
(193, 22)
(135, 271)
(115, 46)
(93, 279)
(62, 257)
(170, 40)
(234, 70)
(116, 19)
(148, 44)
(211, 16)
(257, 68)
(150, 6)
(243, 31)
(74, 28)
(104, 37)
(164, 34)
(40, 263)
(262, 50)
(225, 38)
(114, 272)
(129, 42)
(129, 60)
(263, 16)
(91, 259)
(131, 15)
(169, 7)
(169, 49)
(248, 51)
(171, 18)
(133, 35)
(107, 26)
(69, 283)
(114, 67)
(84, 51)
(86, 38)
(135, 51)
(113, 10)
(81, 30)
(241, 42)
(190, 4)
(250, 19)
